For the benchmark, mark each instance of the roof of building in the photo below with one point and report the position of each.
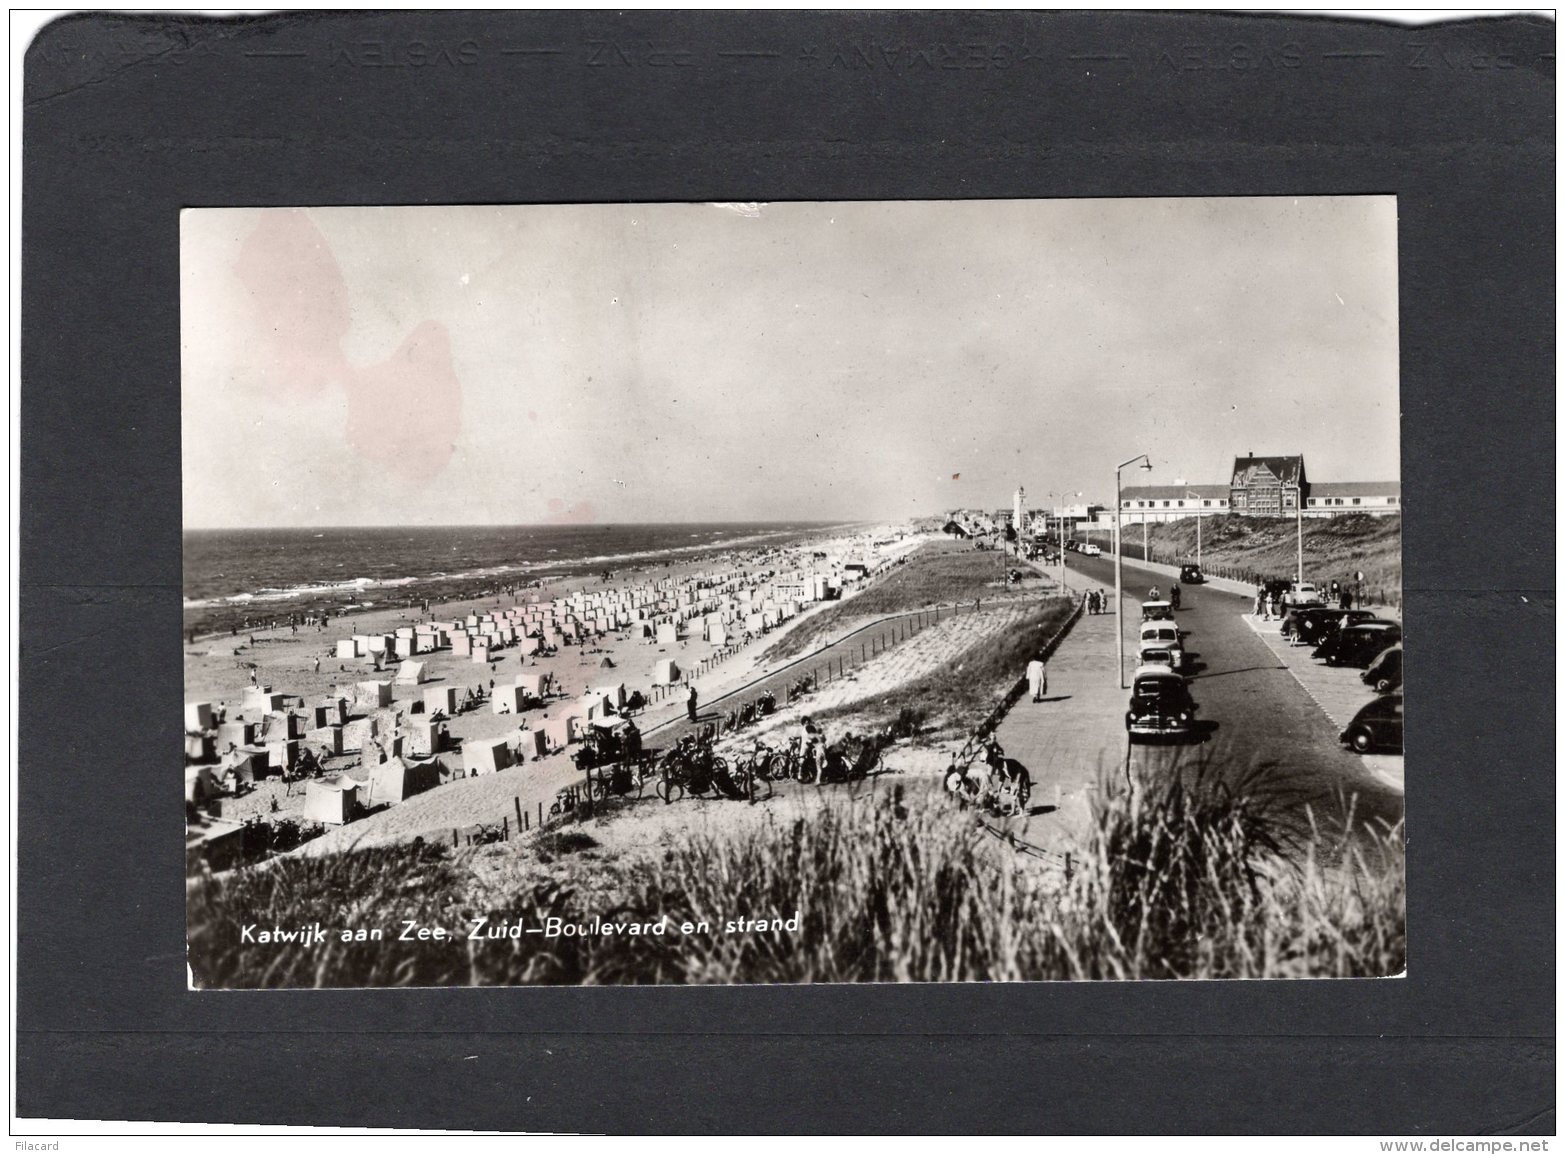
(1172, 492)
(1286, 469)
(1356, 489)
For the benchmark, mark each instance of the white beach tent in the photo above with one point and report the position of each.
(330, 800)
(485, 755)
(410, 673)
(666, 672)
(508, 700)
(198, 716)
(397, 780)
(440, 700)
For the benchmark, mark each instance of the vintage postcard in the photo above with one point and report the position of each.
(792, 592)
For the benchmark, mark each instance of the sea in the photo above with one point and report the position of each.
(253, 576)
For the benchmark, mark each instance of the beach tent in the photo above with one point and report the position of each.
(405, 631)
(410, 673)
(371, 695)
(380, 748)
(328, 738)
(613, 691)
(440, 700)
(480, 653)
(717, 633)
(200, 785)
(665, 673)
(532, 744)
(606, 664)
(425, 737)
(280, 726)
(261, 700)
(485, 755)
(198, 716)
(199, 748)
(330, 800)
(595, 705)
(235, 734)
(397, 780)
(240, 768)
(561, 732)
(508, 700)
(461, 645)
(426, 643)
(282, 755)
(535, 685)
(668, 634)
(359, 731)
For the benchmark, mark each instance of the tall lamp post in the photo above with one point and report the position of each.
(1197, 497)
(1119, 581)
(1052, 496)
(1298, 518)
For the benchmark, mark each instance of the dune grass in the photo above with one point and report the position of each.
(1334, 547)
(1183, 878)
(969, 685)
(938, 573)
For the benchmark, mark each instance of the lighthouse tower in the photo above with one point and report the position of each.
(1019, 512)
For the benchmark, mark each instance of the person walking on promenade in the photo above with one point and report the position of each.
(1037, 679)
(690, 703)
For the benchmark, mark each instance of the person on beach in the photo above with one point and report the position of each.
(690, 703)
(254, 677)
(317, 665)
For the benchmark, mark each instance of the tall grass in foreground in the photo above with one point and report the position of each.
(1181, 880)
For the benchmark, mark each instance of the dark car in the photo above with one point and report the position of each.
(1311, 625)
(1191, 575)
(1385, 673)
(1358, 645)
(1378, 726)
(1160, 705)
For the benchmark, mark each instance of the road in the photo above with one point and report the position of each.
(1262, 729)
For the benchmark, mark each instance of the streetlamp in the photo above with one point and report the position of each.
(1298, 518)
(1052, 496)
(1119, 516)
(1197, 497)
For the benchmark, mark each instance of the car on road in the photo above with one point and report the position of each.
(1303, 594)
(1160, 705)
(1311, 625)
(1378, 726)
(1157, 611)
(1165, 635)
(1358, 645)
(1091, 550)
(1152, 654)
(1191, 575)
(1384, 674)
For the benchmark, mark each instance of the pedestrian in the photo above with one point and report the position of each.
(254, 677)
(1037, 679)
(1260, 602)
(317, 665)
(1347, 598)
(690, 703)
(1271, 607)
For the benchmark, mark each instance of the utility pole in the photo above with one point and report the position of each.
(1119, 554)
(1298, 517)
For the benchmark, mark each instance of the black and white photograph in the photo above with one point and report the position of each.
(808, 592)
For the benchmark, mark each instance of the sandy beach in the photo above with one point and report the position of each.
(301, 662)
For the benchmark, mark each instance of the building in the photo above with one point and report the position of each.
(1267, 486)
(1170, 502)
(1019, 510)
(1259, 487)
(1333, 498)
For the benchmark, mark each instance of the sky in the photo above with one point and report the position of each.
(833, 361)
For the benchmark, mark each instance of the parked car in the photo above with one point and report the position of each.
(1385, 673)
(1157, 611)
(1091, 550)
(1164, 634)
(1358, 645)
(1152, 654)
(1303, 594)
(1312, 625)
(1160, 705)
(1378, 726)
(1191, 575)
